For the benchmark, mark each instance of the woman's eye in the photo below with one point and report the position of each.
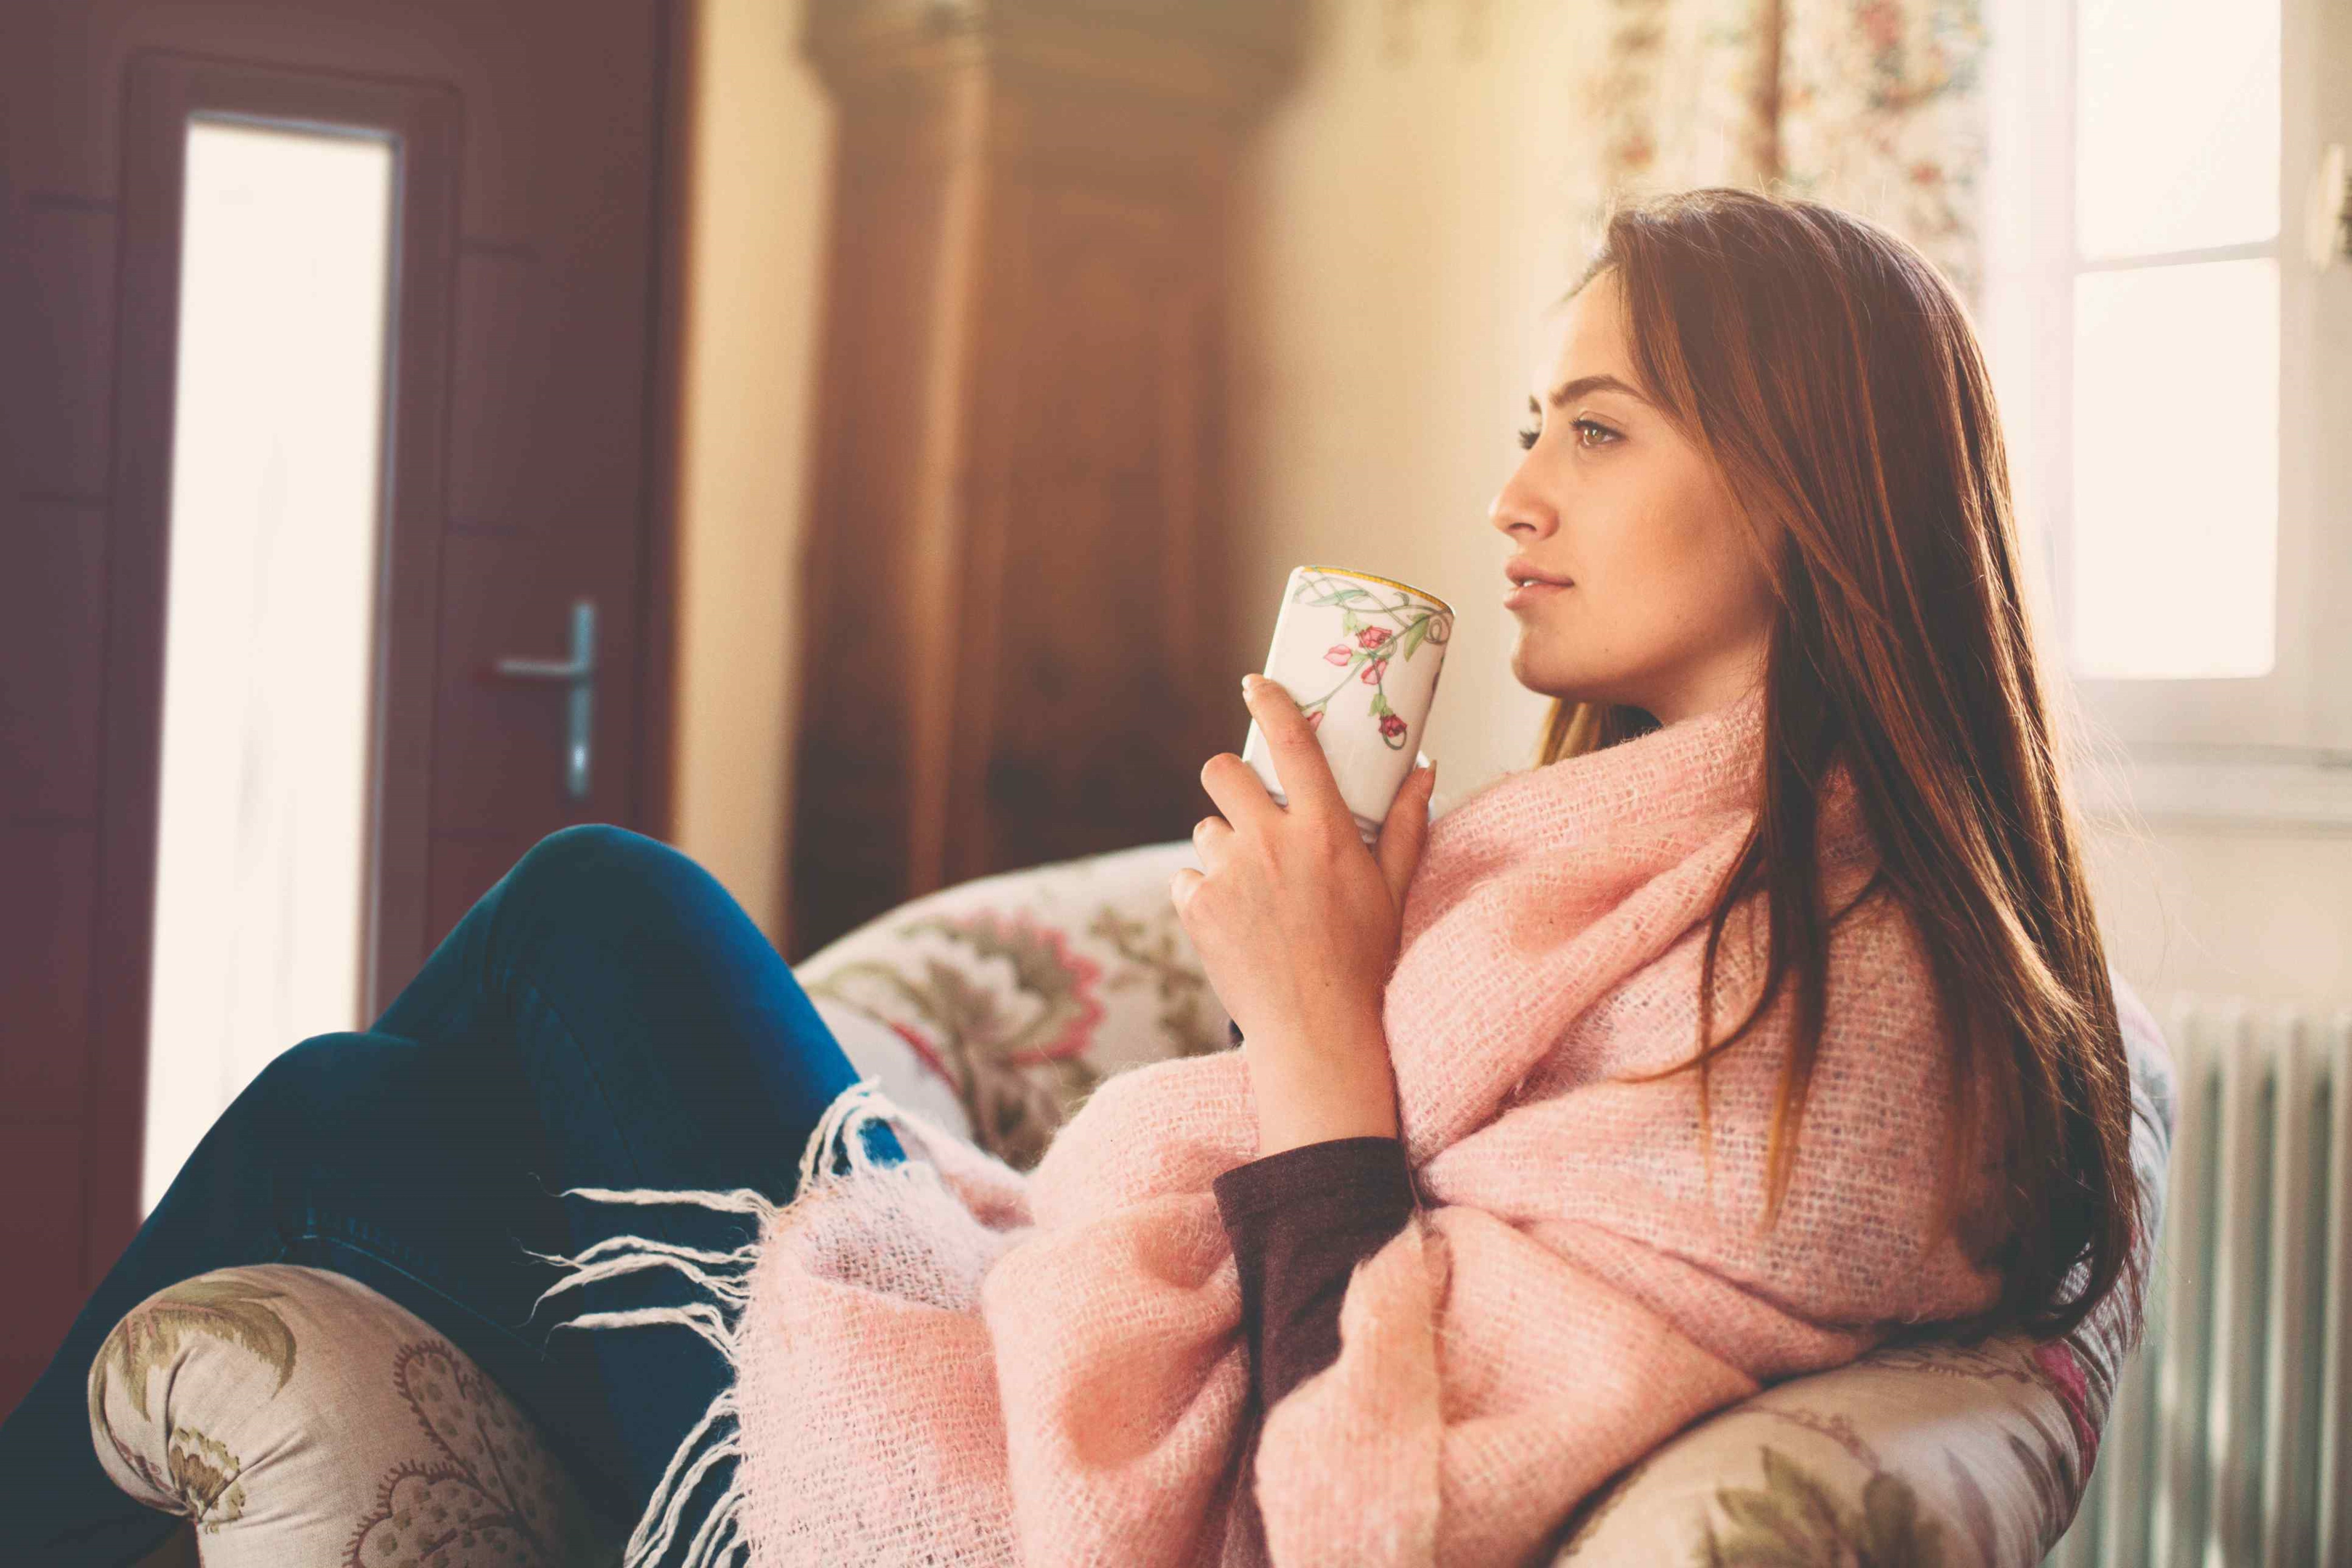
(1588, 433)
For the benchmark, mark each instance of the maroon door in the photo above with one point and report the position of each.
(526, 462)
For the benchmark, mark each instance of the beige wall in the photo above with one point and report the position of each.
(2230, 912)
(1407, 215)
(1408, 212)
(760, 163)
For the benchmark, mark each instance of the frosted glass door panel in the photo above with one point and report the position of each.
(268, 670)
(2175, 503)
(2177, 125)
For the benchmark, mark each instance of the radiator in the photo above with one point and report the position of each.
(2230, 1438)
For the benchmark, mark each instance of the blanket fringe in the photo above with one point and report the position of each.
(722, 1280)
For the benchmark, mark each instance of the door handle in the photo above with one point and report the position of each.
(579, 672)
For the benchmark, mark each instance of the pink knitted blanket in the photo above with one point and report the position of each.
(947, 1362)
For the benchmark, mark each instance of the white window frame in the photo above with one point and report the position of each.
(2273, 750)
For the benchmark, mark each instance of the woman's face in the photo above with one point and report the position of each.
(1666, 606)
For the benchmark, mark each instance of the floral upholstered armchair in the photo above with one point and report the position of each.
(296, 1417)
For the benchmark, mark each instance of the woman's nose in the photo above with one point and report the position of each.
(1519, 511)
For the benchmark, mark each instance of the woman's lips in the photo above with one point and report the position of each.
(1527, 593)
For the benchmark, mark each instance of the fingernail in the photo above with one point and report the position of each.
(1249, 683)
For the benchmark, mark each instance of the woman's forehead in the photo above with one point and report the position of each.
(1583, 335)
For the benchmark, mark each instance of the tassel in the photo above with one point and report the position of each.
(723, 1280)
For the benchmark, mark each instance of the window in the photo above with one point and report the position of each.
(2160, 339)
(276, 454)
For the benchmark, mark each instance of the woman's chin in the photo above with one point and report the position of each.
(1559, 690)
(1540, 676)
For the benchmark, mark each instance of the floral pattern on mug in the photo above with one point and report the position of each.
(1372, 648)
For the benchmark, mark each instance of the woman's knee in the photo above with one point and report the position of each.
(599, 856)
(326, 1081)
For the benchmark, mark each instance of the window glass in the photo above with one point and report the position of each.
(269, 619)
(2176, 493)
(2176, 125)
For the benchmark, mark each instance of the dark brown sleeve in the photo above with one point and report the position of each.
(1299, 1222)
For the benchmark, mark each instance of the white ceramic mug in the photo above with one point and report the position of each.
(1360, 655)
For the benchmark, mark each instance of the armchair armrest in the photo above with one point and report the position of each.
(1931, 1453)
(295, 1416)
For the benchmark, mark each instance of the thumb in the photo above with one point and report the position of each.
(1406, 830)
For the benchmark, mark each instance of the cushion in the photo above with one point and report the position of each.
(999, 1005)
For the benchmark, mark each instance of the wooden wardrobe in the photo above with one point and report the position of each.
(1015, 635)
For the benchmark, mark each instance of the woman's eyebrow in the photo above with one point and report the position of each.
(1568, 392)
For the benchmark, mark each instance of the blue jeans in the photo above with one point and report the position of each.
(607, 1017)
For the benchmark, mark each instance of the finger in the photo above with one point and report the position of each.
(1298, 759)
(1181, 887)
(1239, 793)
(1212, 837)
(1405, 833)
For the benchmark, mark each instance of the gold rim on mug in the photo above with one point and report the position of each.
(1385, 581)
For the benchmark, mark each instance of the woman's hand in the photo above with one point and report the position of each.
(1297, 924)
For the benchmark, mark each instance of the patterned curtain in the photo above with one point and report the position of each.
(1876, 106)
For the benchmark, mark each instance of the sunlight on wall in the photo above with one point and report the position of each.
(267, 690)
(1411, 211)
(763, 139)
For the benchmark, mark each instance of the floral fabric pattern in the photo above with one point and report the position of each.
(206, 1479)
(202, 1478)
(225, 1307)
(1014, 1056)
(1882, 112)
(1795, 1520)
(1015, 995)
(296, 1417)
(485, 1492)
(1904, 1457)
(1876, 106)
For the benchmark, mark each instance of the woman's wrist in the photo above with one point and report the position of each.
(1315, 1101)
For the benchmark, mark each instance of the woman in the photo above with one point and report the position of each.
(1796, 816)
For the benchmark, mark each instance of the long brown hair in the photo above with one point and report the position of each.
(1833, 374)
